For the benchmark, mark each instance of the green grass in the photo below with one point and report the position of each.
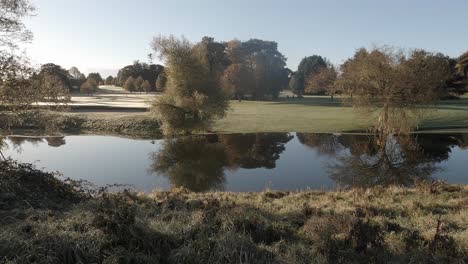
(134, 124)
(310, 114)
(319, 114)
(313, 114)
(45, 221)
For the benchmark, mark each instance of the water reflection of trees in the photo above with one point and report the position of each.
(250, 151)
(370, 160)
(16, 142)
(198, 163)
(382, 161)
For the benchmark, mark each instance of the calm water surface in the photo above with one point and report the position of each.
(250, 162)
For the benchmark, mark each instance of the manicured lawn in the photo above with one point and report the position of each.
(313, 114)
(319, 114)
(309, 114)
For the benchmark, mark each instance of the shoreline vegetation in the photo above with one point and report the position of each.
(50, 220)
(318, 115)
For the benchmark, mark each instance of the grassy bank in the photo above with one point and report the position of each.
(319, 114)
(44, 221)
(311, 114)
(131, 123)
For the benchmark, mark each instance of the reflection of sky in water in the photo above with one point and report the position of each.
(299, 167)
(107, 160)
(454, 169)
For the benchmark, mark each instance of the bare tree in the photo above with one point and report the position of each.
(12, 28)
(394, 84)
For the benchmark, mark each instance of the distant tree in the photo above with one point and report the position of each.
(161, 82)
(148, 72)
(109, 80)
(53, 83)
(238, 80)
(268, 67)
(462, 65)
(214, 54)
(130, 85)
(146, 87)
(322, 81)
(96, 76)
(139, 84)
(89, 87)
(393, 84)
(76, 77)
(192, 98)
(307, 67)
(294, 83)
(234, 52)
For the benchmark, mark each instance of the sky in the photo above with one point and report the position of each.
(105, 35)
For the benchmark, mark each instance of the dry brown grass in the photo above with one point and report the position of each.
(426, 224)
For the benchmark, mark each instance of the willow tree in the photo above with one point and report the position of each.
(394, 84)
(193, 97)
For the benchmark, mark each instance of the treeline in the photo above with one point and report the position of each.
(317, 76)
(252, 69)
(141, 77)
(203, 76)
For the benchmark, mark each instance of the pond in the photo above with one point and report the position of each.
(249, 162)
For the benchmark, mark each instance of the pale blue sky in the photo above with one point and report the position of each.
(105, 35)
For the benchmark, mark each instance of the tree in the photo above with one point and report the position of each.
(267, 65)
(76, 77)
(462, 65)
(146, 86)
(322, 81)
(161, 82)
(238, 80)
(213, 54)
(148, 72)
(17, 90)
(139, 84)
(53, 83)
(306, 69)
(20, 84)
(12, 28)
(109, 80)
(130, 85)
(192, 98)
(96, 76)
(394, 84)
(89, 87)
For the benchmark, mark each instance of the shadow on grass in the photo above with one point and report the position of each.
(310, 102)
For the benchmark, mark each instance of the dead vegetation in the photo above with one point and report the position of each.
(46, 221)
